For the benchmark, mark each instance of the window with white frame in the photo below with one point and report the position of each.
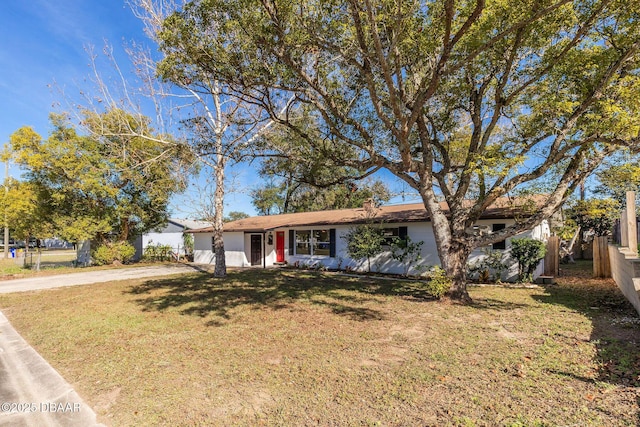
(313, 242)
(303, 242)
(321, 242)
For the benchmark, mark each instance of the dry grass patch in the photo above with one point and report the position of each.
(283, 347)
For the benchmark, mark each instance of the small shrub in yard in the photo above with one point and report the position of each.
(528, 252)
(364, 241)
(157, 252)
(407, 252)
(488, 268)
(108, 253)
(439, 283)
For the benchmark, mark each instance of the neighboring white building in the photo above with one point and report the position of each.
(318, 237)
(170, 235)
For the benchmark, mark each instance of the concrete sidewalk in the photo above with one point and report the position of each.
(34, 394)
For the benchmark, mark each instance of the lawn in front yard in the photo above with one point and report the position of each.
(287, 347)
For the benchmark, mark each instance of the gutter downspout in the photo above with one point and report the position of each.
(264, 249)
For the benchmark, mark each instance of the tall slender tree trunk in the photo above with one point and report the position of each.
(218, 196)
(218, 222)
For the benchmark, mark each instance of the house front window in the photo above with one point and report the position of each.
(303, 242)
(313, 242)
(390, 234)
(502, 244)
(320, 242)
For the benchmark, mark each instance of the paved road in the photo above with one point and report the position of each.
(98, 276)
(32, 393)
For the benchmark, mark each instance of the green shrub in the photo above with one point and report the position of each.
(110, 252)
(364, 241)
(528, 252)
(488, 268)
(157, 252)
(439, 283)
(407, 252)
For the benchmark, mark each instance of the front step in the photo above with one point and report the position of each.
(545, 280)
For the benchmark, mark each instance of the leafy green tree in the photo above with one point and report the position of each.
(101, 184)
(22, 212)
(617, 179)
(466, 102)
(268, 199)
(528, 252)
(407, 252)
(235, 215)
(596, 215)
(291, 196)
(364, 241)
(310, 177)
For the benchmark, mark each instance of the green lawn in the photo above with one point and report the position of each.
(286, 347)
(53, 259)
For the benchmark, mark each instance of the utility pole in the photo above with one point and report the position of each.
(6, 221)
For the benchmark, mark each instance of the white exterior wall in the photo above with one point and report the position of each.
(233, 247)
(540, 232)
(171, 239)
(238, 246)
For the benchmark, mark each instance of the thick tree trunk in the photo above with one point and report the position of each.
(453, 252)
(218, 223)
(124, 230)
(454, 263)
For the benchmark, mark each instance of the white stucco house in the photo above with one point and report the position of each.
(169, 235)
(318, 237)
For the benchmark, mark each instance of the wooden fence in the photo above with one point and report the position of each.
(552, 257)
(601, 263)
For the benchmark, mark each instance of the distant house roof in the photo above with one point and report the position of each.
(416, 212)
(190, 224)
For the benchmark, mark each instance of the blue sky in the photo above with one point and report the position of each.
(43, 53)
(43, 43)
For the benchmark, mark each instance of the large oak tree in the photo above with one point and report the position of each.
(466, 101)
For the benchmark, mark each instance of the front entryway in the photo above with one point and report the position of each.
(256, 249)
(279, 246)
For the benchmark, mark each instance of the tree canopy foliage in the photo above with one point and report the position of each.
(100, 185)
(617, 179)
(295, 196)
(22, 212)
(595, 215)
(310, 177)
(464, 101)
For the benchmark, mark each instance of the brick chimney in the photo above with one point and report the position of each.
(368, 205)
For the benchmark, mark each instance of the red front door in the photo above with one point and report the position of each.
(279, 246)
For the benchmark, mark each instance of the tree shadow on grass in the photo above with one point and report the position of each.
(496, 304)
(615, 332)
(204, 296)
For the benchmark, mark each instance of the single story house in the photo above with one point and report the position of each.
(169, 235)
(318, 238)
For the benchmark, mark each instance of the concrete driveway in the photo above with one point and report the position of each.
(99, 276)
